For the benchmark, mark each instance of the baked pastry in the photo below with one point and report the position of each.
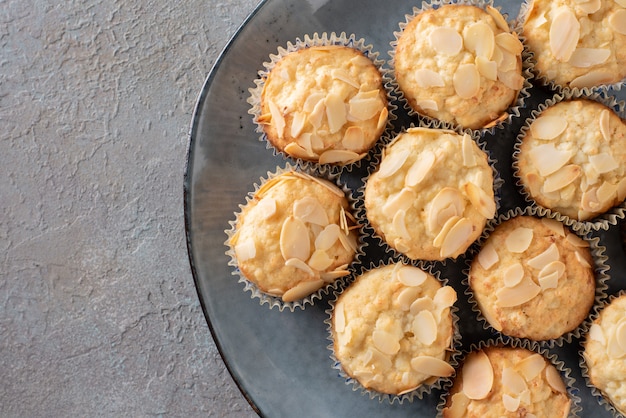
(575, 43)
(393, 330)
(499, 381)
(324, 104)
(572, 159)
(294, 236)
(461, 64)
(604, 352)
(431, 195)
(533, 279)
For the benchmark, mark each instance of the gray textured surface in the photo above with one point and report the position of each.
(98, 310)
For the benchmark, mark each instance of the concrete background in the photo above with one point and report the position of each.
(98, 311)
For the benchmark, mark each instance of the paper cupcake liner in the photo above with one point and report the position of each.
(544, 80)
(275, 301)
(361, 214)
(426, 387)
(602, 221)
(598, 254)
(602, 399)
(513, 111)
(323, 39)
(503, 341)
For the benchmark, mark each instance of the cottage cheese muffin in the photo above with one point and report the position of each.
(393, 330)
(533, 279)
(605, 353)
(572, 159)
(500, 381)
(431, 195)
(325, 104)
(577, 43)
(295, 236)
(460, 64)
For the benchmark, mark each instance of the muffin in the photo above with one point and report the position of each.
(604, 352)
(323, 103)
(577, 44)
(431, 195)
(499, 381)
(572, 159)
(533, 279)
(393, 329)
(460, 64)
(294, 236)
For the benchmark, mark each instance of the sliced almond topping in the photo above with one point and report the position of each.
(297, 124)
(438, 241)
(382, 119)
(458, 238)
(277, 119)
(507, 62)
(587, 57)
(605, 127)
(245, 250)
(309, 209)
(548, 127)
(590, 6)
(422, 304)
(445, 297)
(386, 342)
(498, 18)
(402, 200)
(364, 106)
(576, 241)
(617, 21)
(267, 207)
(425, 327)
(561, 178)
(420, 168)
(466, 81)
(447, 197)
(549, 281)
(339, 317)
(411, 276)
(335, 112)
(378, 360)
(488, 256)
(428, 104)
(513, 382)
(446, 40)
(392, 163)
(327, 237)
(300, 265)
(564, 34)
(295, 150)
(613, 348)
(481, 201)
(302, 290)
(349, 241)
(513, 275)
(509, 42)
(331, 276)
(620, 335)
(320, 260)
(339, 156)
(510, 403)
(606, 193)
(477, 376)
(294, 239)
(341, 74)
(467, 149)
(554, 225)
(597, 334)
(531, 366)
(554, 379)
(354, 138)
(458, 406)
(582, 260)
(428, 78)
(589, 201)
(399, 224)
(511, 79)
(305, 141)
(311, 102)
(431, 366)
(487, 68)
(548, 256)
(479, 39)
(603, 163)
(525, 291)
(519, 240)
(407, 296)
(591, 79)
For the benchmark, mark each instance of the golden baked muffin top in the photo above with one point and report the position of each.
(533, 279)
(325, 104)
(605, 352)
(295, 236)
(572, 159)
(507, 382)
(460, 64)
(577, 43)
(393, 329)
(431, 195)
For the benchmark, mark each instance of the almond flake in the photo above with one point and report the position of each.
(467, 149)
(386, 342)
(507, 62)
(582, 260)
(297, 124)
(466, 81)
(477, 376)
(302, 290)
(392, 163)
(364, 106)
(561, 178)
(550, 255)
(312, 101)
(428, 104)
(327, 237)
(549, 281)
(613, 348)
(378, 360)
(511, 79)
(407, 296)
(411, 276)
(320, 260)
(446, 40)
(331, 276)
(487, 68)
(554, 379)
(382, 119)
(513, 382)
(481, 201)
(267, 207)
(525, 291)
(479, 39)
(548, 127)
(576, 241)
(488, 257)
(531, 366)
(425, 327)
(591, 79)
(445, 297)
(458, 406)
(603, 163)
(296, 150)
(606, 193)
(422, 304)
(564, 34)
(501, 23)
(335, 112)
(399, 225)
(554, 225)
(339, 317)
(294, 239)
(420, 168)
(509, 42)
(277, 119)
(431, 366)
(427, 78)
(617, 21)
(309, 209)
(339, 156)
(589, 201)
(513, 275)
(510, 403)
(605, 127)
(620, 335)
(458, 238)
(447, 197)
(300, 265)
(519, 240)
(597, 334)
(590, 6)
(245, 250)
(341, 74)
(354, 138)
(587, 57)
(402, 200)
